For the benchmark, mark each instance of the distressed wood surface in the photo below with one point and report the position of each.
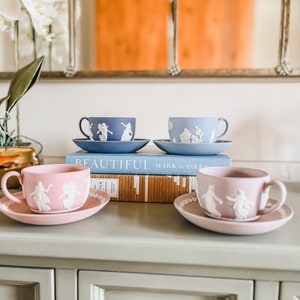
(215, 34)
(131, 34)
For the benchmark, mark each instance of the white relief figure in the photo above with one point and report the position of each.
(40, 197)
(69, 192)
(185, 136)
(103, 131)
(197, 137)
(241, 204)
(212, 135)
(210, 198)
(91, 133)
(127, 133)
(88, 185)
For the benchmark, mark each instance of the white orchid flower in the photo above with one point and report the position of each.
(41, 13)
(10, 11)
(48, 18)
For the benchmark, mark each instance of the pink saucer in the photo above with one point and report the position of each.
(229, 219)
(188, 206)
(96, 201)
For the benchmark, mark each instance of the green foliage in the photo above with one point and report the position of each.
(22, 81)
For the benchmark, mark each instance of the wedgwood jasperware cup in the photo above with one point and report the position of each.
(196, 130)
(108, 128)
(51, 188)
(239, 194)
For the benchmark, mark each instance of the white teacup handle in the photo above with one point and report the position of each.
(225, 129)
(281, 200)
(5, 190)
(80, 126)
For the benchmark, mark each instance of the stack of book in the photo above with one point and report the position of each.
(148, 175)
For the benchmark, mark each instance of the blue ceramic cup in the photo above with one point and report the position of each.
(196, 130)
(108, 128)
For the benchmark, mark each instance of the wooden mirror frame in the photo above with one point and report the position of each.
(283, 68)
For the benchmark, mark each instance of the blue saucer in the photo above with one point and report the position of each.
(192, 149)
(110, 146)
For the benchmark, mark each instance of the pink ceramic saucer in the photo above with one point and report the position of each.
(188, 206)
(233, 220)
(19, 212)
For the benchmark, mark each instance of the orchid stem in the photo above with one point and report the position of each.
(16, 39)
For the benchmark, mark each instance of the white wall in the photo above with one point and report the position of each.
(263, 115)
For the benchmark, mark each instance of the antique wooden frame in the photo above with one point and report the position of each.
(283, 69)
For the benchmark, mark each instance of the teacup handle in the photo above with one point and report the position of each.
(5, 190)
(281, 200)
(225, 129)
(80, 127)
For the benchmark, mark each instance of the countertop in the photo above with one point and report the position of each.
(155, 233)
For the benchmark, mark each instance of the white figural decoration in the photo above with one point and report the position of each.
(103, 132)
(196, 137)
(68, 195)
(210, 198)
(40, 196)
(127, 133)
(241, 205)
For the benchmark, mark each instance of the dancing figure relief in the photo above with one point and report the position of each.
(241, 204)
(88, 185)
(103, 131)
(91, 133)
(210, 201)
(69, 192)
(40, 197)
(127, 133)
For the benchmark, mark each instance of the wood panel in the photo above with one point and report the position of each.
(131, 34)
(215, 33)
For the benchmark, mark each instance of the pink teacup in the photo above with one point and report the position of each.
(239, 194)
(51, 188)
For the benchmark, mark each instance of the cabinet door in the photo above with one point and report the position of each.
(26, 284)
(266, 290)
(290, 291)
(132, 286)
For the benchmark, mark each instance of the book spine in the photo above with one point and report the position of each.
(143, 188)
(146, 164)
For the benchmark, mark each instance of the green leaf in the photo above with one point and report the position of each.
(6, 98)
(22, 82)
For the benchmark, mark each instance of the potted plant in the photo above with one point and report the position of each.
(14, 153)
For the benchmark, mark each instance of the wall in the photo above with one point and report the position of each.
(264, 115)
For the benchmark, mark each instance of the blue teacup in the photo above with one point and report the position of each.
(108, 128)
(196, 130)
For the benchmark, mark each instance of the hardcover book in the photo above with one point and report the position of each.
(143, 188)
(146, 163)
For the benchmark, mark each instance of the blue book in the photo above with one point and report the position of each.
(145, 163)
